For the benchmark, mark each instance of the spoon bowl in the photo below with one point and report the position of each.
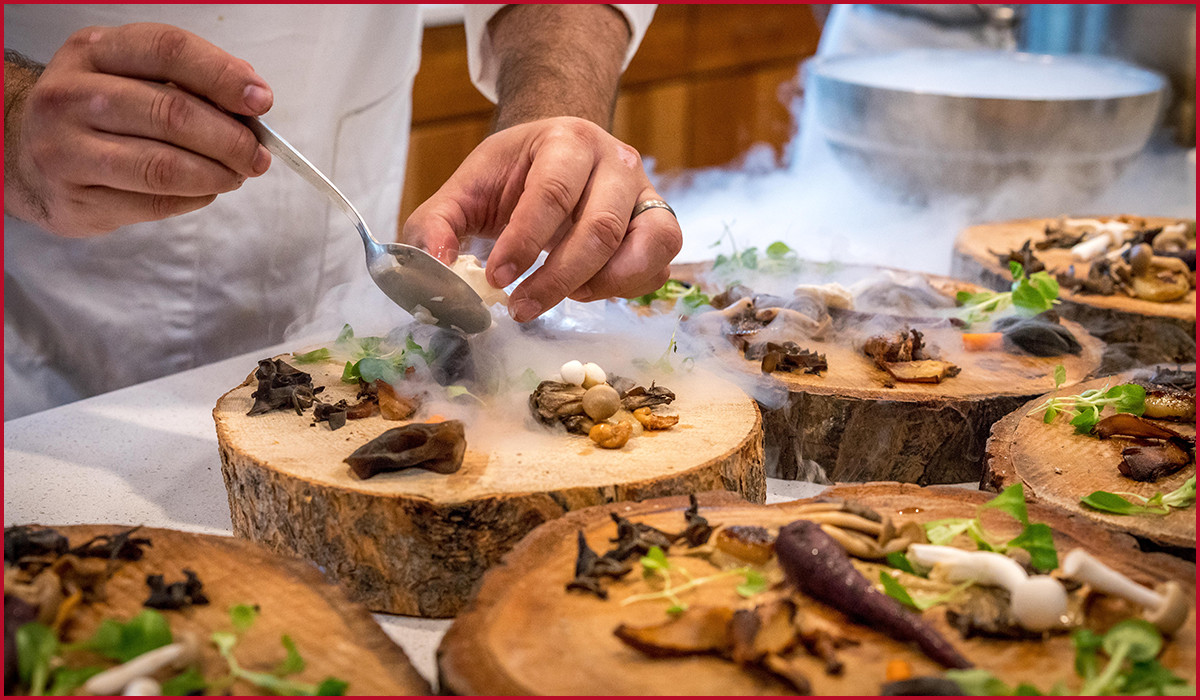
(420, 283)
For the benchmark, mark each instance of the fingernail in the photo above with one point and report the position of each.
(506, 274)
(262, 161)
(257, 97)
(525, 310)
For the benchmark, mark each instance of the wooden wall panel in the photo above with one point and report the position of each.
(705, 85)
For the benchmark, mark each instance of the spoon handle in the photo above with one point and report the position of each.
(279, 146)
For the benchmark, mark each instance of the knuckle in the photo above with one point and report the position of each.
(244, 146)
(167, 44)
(158, 170)
(629, 155)
(51, 98)
(607, 229)
(163, 206)
(557, 195)
(170, 112)
(81, 38)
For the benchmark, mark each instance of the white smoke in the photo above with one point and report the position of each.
(828, 211)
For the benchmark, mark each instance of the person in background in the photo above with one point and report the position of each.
(142, 237)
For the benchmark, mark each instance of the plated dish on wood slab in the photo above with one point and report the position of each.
(407, 507)
(722, 597)
(889, 375)
(1130, 279)
(112, 610)
(1119, 451)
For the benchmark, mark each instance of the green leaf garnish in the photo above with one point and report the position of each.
(122, 641)
(243, 616)
(754, 584)
(36, 647)
(307, 358)
(1158, 504)
(1085, 408)
(687, 297)
(186, 683)
(1035, 538)
(1029, 295)
(1060, 376)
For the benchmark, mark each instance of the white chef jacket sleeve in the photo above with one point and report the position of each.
(481, 60)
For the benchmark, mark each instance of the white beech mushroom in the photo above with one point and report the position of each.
(143, 686)
(1038, 603)
(112, 681)
(1166, 608)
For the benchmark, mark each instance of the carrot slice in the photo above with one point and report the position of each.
(976, 342)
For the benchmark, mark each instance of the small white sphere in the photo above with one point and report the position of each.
(593, 375)
(573, 372)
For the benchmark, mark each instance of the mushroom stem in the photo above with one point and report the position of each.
(143, 686)
(1038, 602)
(113, 680)
(1167, 609)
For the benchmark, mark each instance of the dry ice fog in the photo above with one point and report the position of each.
(821, 207)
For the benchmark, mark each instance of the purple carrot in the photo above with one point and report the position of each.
(817, 565)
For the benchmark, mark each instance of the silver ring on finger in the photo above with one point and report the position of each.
(651, 204)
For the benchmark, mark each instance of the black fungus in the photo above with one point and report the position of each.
(1041, 335)
(451, 359)
(177, 595)
(122, 545)
(922, 685)
(23, 541)
(786, 357)
(636, 538)
(281, 386)
(590, 567)
(698, 530)
(333, 413)
(1024, 257)
(437, 447)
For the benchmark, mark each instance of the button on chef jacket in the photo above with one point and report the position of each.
(82, 317)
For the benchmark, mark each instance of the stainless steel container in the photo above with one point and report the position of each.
(921, 122)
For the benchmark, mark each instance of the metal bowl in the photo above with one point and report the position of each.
(929, 121)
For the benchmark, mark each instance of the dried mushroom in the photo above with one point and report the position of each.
(905, 359)
(281, 386)
(436, 447)
(786, 357)
(176, 595)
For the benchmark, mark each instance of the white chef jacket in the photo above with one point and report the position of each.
(85, 316)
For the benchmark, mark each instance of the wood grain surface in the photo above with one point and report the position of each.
(523, 634)
(415, 542)
(1058, 467)
(335, 636)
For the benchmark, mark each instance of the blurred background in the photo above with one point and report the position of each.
(835, 129)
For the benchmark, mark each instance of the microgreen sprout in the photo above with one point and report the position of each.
(1036, 538)
(1030, 295)
(778, 258)
(1158, 504)
(1085, 408)
(687, 297)
(656, 566)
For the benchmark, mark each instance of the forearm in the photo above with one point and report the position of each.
(20, 74)
(556, 61)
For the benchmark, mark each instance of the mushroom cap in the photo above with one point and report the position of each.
(1173, 612)
(1039, 603)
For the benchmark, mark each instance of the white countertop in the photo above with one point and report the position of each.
(147, 455)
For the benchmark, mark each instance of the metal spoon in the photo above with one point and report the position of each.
(414, 279)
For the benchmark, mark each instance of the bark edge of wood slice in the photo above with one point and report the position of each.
(1023, 449)
(846, 426)
(415, 542)
(335, 636)
(485, 653)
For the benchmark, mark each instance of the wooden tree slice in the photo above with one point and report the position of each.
(523, 634)
(1058, 467)
(415, 542)
(335, 636)
(1118, 318)
(848, 425)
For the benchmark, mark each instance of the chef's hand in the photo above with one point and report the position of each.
(563, 185)
(126, 125)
